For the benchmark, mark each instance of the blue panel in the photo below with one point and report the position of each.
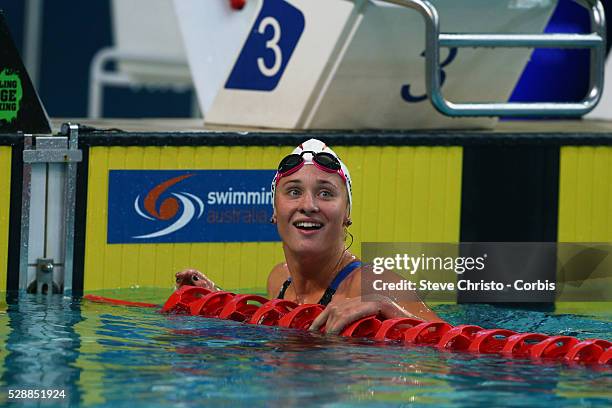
(268, 48)
(153, 206)
(144, 103)
(73, 31)
(557, 75)
(14, 14)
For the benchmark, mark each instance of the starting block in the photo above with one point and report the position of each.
(358, 64)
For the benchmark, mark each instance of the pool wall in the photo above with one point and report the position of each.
(476, 186)
(408, 186)
(400, 193)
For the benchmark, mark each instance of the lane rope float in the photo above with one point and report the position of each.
(255, 309)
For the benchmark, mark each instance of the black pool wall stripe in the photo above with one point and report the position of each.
(14, 230)
(80, 226)
(510, 194)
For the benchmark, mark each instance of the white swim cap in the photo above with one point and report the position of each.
(317, 146)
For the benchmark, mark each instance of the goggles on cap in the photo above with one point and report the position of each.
(321, 156)
(323, 161)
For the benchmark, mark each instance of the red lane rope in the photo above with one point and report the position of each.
(256, 309)
(102, 299)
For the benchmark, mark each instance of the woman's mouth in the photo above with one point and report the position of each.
(308, 225)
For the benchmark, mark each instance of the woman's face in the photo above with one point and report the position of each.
(311, 209)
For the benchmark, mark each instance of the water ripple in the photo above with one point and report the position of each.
(107, 355)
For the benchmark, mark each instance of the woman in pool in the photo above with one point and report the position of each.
(312, 205)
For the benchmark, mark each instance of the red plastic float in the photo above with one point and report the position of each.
(519, 345)
(490, 341)
(427, 333)
(180, 301)
(272, 311)
(587, 351)
(211, 304)
(301, 317)
(284, 313)
(239, 308)
(606, 357)
(459, 338)
(393, 329)
(553, 347)
(366, 327)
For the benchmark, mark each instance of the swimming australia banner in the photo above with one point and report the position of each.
(173, 206)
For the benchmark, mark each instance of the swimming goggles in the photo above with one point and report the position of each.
(322, 160)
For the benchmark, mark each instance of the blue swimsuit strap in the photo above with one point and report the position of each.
(346, 271)
(331, 290)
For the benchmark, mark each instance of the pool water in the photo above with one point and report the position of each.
(104, 355)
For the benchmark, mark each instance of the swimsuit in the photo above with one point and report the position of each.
(329, 292)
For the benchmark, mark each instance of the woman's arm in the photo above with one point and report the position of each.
(397, 303)
(357, 304)
(337, 315)
(194, 277)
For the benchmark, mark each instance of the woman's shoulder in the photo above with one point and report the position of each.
(278, 275)
(351, 286)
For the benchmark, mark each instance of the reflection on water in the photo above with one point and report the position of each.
(41, 347)
(116, 356)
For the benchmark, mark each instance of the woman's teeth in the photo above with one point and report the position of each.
(308, 225)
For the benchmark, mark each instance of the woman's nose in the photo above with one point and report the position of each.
(308, 203)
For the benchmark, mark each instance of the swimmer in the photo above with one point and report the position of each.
(312, 201)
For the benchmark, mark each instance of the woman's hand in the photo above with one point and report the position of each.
(193, 277)
(338, 315)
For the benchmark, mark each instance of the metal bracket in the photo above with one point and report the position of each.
(52, 149)
(595, 42)
(49, 151)
(44, 276)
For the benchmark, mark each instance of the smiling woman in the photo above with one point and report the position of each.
(312, 199)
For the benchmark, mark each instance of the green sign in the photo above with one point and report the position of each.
(10, 95)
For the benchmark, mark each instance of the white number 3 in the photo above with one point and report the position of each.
(271, 44)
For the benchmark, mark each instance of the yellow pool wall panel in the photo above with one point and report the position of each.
(400, 194)
(585, 194)
(585, 206)
(5, 204)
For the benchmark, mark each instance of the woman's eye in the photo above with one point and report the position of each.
(326, 194)
(294, 192)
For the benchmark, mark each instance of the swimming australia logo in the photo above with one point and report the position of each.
(187, 206)
(181, 207)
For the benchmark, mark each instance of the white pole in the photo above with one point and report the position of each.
(32, 35)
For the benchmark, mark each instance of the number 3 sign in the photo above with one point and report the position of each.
(268, 48)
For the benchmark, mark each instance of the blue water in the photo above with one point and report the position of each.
(103, 355)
